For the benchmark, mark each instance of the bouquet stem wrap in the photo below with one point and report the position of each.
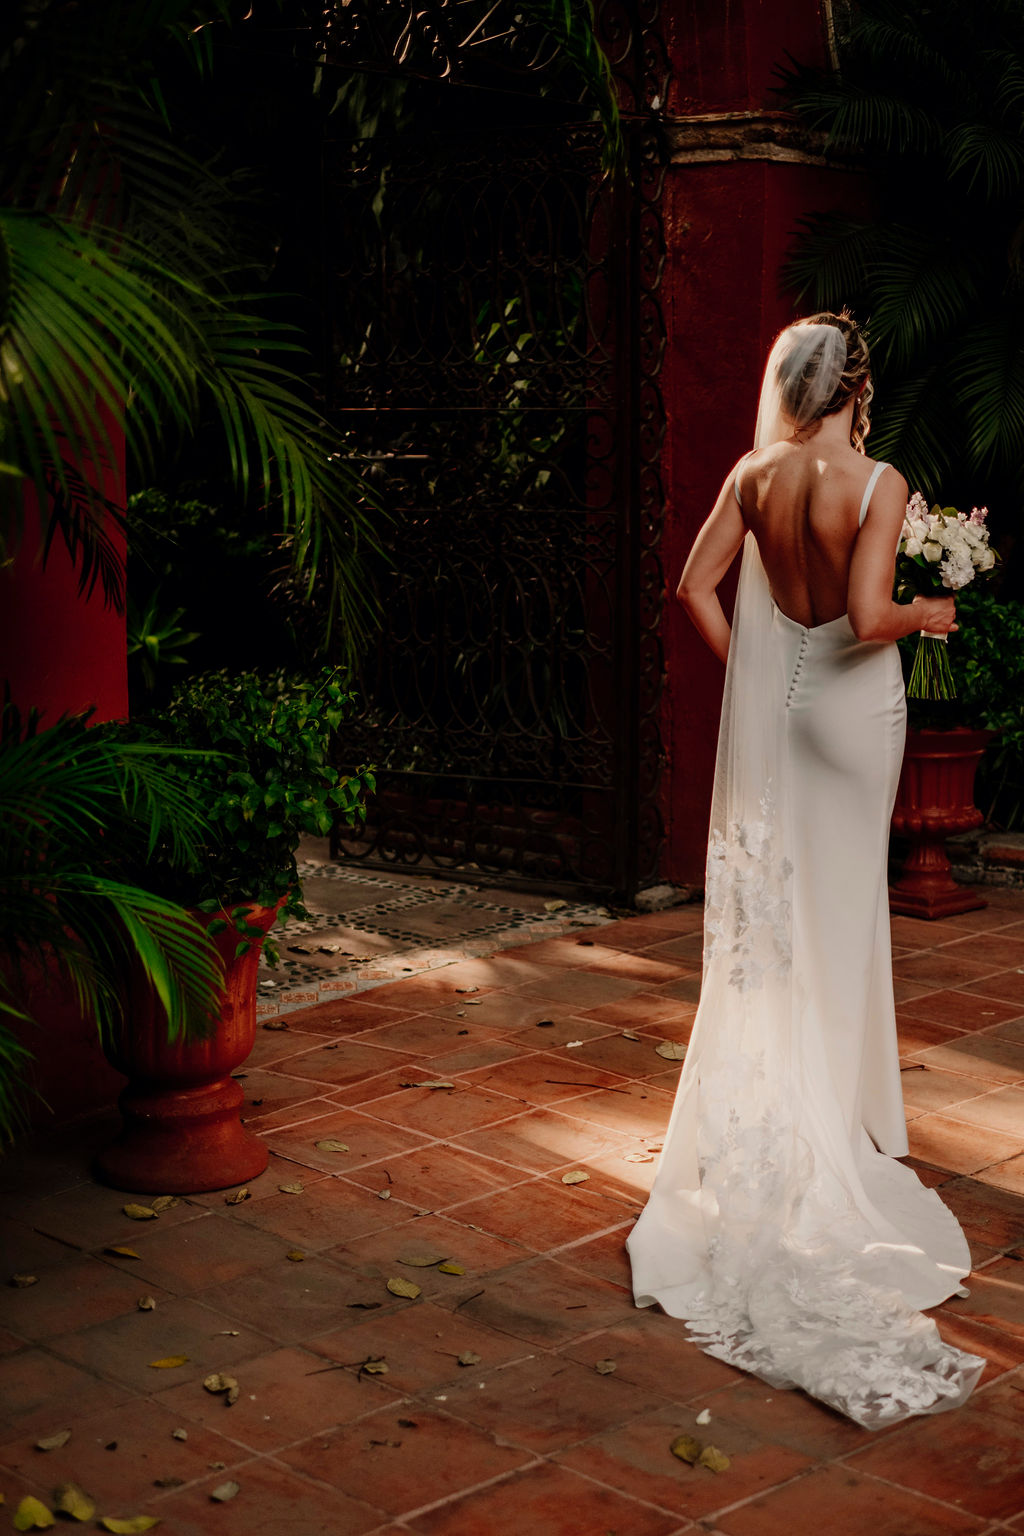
(931, 676)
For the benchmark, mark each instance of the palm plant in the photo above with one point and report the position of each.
(124, 305)
(77, 806)
(930, 101)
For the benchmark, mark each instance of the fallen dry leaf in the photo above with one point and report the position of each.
(218, 1383)
(132, 1526)
(169, 1364)
(556, 905)
(630, 1034)
(54, 1442)
(400, 1287)
(545, 1024)
(227, 1333)
(383, 1194)
(139, 1212)
(672, 1050)
(70, 1499)
(450, 1268)
(22, 1282)
(118, 1251)
(576, 1176)
(224, 1492)
(296, 1255)
(469, 1358)
(31, 1515)
(422, 1260)
(275, 1023)
(439, 1083)
(168, 1482)
(714, 1459)
(638, 1157)
(146, 1304)
(604, 1367)
(179, 1434)
(238, 1197)
(704, 1417)
(573, 1045)
(376, 1365)
(332, 1146)
(165, 1203)
(291, 1189)
(686, 1448)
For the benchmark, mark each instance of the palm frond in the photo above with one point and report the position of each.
(572, 24)
(832, 259)
(989, 371)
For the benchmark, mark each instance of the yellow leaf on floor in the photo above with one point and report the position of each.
(672, 1050)
(714, 1459)
(686, 1448)
(139, 1212)
(169, 1364)
(54, 1442)
(296, 1255)
(131, 1526)
(117, 1250)
(31, 1515)
(400, 1287)
(451, 1268)
(238, 1197)
(576, 1176)
(332, 1146)
(165, 1203)
(70, 1499)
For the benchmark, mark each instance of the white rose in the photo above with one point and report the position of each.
(986, 560)
(913, 547)
(932, 551)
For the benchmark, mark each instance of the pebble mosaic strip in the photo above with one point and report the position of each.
(299, 983)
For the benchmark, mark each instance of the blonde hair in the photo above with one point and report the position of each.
(855, 378)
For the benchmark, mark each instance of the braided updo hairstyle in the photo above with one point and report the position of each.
(856, 372)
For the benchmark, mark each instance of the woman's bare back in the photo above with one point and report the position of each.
(802, 503)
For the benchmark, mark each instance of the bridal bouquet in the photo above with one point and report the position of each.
(941, 550)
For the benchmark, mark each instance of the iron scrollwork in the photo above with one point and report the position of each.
(497, 339)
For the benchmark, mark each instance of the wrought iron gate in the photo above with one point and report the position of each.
(497, 341)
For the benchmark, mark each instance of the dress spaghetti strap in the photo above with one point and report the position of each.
(872, 482)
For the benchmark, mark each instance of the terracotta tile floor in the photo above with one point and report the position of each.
(478, 1406)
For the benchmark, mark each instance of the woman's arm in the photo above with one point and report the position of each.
(873, 614)
(713, 552)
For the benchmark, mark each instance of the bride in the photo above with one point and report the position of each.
(780, 1227)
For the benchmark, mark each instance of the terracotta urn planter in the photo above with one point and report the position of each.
(935, 799)
(182, 1133)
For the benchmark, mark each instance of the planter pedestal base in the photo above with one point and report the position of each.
(182, 1134)
(935, 799)
(181, 1141)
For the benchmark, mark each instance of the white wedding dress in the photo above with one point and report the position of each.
(780, 1227)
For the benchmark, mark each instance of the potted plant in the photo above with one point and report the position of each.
(949, 741)
(81, 811)
(263, 778)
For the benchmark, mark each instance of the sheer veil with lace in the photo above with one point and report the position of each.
(789, 1240)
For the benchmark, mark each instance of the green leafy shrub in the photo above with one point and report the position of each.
(987, 658)
(267, 780)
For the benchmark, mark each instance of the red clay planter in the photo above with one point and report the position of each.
(182, 1133)
(935, 799)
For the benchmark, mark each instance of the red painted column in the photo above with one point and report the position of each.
(741, 176)
(61, 653)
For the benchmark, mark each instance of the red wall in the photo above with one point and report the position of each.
(727, 225)
(61, 653)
